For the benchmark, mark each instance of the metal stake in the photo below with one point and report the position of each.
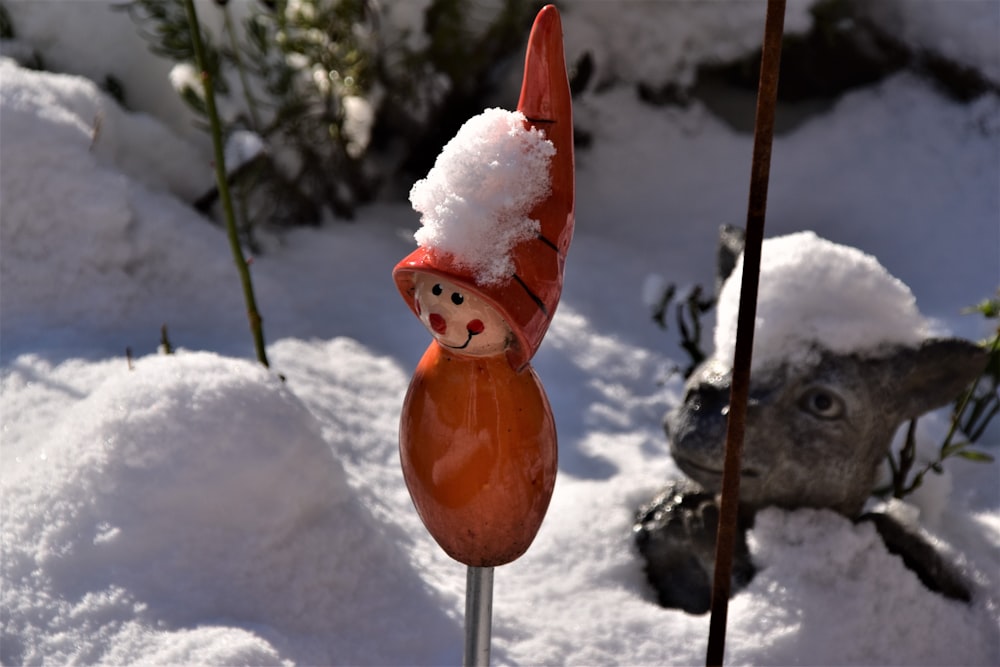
(767, 93)
(478, 616)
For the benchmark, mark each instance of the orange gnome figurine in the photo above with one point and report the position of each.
(477, 439)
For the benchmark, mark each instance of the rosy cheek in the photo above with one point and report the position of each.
(475, 327)
(438, 324)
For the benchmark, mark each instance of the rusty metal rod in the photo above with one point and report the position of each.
(767, 94)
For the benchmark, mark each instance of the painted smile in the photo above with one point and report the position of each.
(463, 345)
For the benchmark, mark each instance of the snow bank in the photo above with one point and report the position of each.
(197, 510)
(620, 36)
(95, 218)
(966, 32)
(852, 603)
(475, 201)
(818, 294)
(93, 40)
(191, 488)
(71, 111)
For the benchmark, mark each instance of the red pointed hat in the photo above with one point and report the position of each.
(527, 300)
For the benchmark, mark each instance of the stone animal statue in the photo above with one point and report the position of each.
(842, 358)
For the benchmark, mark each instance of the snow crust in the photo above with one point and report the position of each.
(815, 294)
(475, 202)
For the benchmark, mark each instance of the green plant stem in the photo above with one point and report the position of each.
(253, 315)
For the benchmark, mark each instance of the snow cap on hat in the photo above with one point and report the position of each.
(497, 209)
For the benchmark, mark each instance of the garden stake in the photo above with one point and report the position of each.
(767, 92)
(253, 315)
(478, 615)
(477, 439)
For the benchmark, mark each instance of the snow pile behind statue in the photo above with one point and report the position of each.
(476, 200)
(818, 294)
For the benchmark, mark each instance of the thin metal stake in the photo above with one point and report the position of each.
(767, 95)
(478, 616)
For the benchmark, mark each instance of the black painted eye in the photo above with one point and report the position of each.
(457, 298)
(436, 290)
(822, 403)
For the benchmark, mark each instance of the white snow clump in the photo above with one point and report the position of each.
(476, 199)
(818, 294)
(183, 77)
(242, 146)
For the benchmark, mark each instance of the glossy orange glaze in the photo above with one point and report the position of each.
(478, 449)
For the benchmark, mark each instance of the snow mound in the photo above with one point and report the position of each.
(94, 214)
(624, 36)
(476, 199)
(964, 32)
(842, 566)
(193, 488)
(818, 294)
(77, 113)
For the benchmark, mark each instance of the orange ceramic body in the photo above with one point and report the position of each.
(478, 449)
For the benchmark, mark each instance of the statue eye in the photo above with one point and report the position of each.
(436, 290)
(457, 298)
(822, 403)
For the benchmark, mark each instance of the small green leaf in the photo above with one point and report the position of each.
(988, 307)
(977, 456)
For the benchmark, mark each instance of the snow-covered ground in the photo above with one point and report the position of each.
(195, 509)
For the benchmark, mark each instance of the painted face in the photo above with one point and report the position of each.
(459, 320)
